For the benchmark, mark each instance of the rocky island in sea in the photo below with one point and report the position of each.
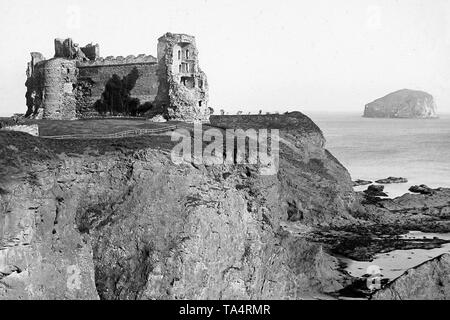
(402, 104)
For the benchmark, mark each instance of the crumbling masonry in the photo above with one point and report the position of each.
(70, 85)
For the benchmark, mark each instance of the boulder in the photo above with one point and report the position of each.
(375, 191)
(422, 189)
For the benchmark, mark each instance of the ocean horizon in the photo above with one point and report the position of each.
(374, 148)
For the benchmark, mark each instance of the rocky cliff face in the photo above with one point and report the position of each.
(117, 219)
(429, 281)
(402, 104)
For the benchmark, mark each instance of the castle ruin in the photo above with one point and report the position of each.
(78, 83)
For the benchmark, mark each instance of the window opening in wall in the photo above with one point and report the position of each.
(179, 68)
(187, 54)
(188, 82)
(200, 103)
(179, 54)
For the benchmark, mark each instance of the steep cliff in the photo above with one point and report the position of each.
(116, 219)
(402, 104)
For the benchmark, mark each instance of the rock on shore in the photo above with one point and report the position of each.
(360, 182)
(402, 104)
(422, 189)
(375, 191)
(391, 180)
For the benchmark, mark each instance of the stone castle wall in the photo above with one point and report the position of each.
(92, 79)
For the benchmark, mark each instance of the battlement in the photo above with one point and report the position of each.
(117, 61)
(177, 38)
(90, 55)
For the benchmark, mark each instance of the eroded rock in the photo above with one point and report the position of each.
(375, 191)
(428, 281)
(422, 189)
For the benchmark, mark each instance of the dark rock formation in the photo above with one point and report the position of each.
(381, 221)
(422, 189)
(392, 180)
(375, 191)
(402, 104)
(428, 281)
(360, 182)
(425, 212)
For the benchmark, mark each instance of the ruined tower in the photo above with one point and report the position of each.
(183, 86)
(50, 85)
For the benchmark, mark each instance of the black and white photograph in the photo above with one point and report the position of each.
(235, 152)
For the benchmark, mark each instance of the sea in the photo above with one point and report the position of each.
(372, 149)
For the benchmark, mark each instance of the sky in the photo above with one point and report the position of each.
(318, 55)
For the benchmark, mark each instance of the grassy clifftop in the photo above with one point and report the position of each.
(292, 121)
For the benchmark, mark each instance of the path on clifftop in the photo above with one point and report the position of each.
(117, 135)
